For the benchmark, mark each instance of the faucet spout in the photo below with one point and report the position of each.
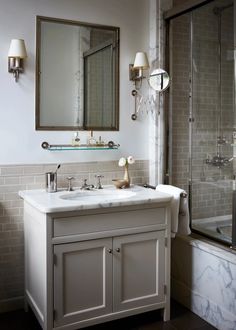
(86, 186)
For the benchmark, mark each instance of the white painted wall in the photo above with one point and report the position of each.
(20, 143)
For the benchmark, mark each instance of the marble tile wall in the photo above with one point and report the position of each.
(207, 285)
(21, 177)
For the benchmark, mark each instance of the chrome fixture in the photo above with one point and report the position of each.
(53, 147)
(221, 140)
(219, 161)
(51, 182)
(99, 184)
(158, 80)
(134, 93)
(70, 178)
(182, 194)
(16, 55)
(136, 70)
(86, 186)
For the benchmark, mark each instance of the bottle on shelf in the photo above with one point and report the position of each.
(76, 140)
(91, 140)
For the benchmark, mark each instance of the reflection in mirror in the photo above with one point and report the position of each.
(159, 80)
(77, 78)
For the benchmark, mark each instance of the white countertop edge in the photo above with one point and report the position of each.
(51, 203)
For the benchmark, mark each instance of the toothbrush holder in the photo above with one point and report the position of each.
(51, 182)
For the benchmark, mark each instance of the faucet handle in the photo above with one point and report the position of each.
(70, 178)
(99, 184)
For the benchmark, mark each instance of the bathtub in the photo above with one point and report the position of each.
(203, 277)
(219, 227)
(203, 271)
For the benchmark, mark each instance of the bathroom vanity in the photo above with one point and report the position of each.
(95, 256)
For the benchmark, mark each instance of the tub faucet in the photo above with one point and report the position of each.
(219, 161)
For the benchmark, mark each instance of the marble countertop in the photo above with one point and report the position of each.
(93, 199)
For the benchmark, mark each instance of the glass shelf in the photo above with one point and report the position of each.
(63, 147)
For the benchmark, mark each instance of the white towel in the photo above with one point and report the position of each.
(179, 210)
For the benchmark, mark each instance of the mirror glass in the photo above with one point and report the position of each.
(77, 76)
(159, 80)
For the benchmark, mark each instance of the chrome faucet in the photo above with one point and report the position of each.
(70, 178)
(99, 184)
(219, 161)
(86, 186)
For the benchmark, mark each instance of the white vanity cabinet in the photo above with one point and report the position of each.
(139, 270)
(91, 266)
(93, 276)
(82, 280)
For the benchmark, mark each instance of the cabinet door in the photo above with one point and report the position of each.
(139, 270)
(83, 280)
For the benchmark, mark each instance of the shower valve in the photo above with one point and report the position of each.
(219, 161)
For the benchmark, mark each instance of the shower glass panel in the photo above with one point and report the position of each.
(203, 115)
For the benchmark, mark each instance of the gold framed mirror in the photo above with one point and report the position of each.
(77, 75)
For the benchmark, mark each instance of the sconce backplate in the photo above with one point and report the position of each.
(12, 65)
(133, 73)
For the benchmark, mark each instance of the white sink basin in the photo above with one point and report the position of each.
(101, 195)
(93, 199)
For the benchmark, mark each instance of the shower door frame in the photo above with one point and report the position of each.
(179, 10)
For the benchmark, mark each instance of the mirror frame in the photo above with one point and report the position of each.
(40, 19)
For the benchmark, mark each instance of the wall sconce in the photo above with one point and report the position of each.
(136, 70)
(16, 54)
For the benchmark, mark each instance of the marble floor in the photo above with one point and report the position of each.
(181, 319)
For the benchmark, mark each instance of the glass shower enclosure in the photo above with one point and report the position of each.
(202, 122)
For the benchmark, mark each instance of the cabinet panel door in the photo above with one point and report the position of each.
(83, 280)
(139, 270)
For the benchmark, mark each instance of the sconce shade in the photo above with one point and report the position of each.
(141, 61)
(17, 49)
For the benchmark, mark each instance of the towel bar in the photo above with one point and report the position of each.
(183, 194)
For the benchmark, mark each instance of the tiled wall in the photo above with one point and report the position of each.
(210, 197)
(21, 177)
